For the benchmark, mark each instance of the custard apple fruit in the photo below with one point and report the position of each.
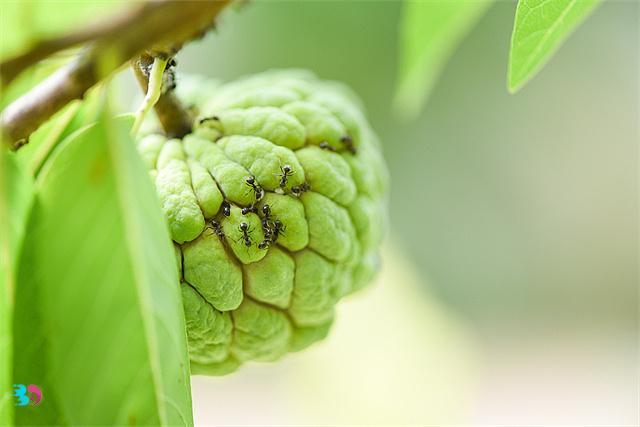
(276, 203)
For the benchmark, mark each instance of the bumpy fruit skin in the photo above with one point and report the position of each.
(242, 300)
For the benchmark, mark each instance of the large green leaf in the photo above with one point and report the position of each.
(16, 199)
(99, 321)
(540, 28)
(6, 338)
(430, 31)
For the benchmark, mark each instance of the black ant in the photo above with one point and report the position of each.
(226, 208)
(217, 228)
(266, 210)
(326, 146)
(248, 209)
(278, 228)
(209, 119)
(250, 181)
(169, 82)
(246, 231)
(297, 191)
(348, 142)
(266, 226)
(286, 172)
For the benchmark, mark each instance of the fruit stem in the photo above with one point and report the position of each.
(154, 90)
(174, 118)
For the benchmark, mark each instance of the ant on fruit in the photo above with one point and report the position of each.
(266, 226)
(217, 228)
(270, 234)
(248, 209)
(250, 181)
(286, 172)
(326, 146)
(297, 191)
(209, 119)
(348, 143)
(226, 208)
(246, 231)
(266, 210)
(278, 228)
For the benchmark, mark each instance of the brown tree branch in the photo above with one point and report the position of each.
(10, 68)
(25, 114)
(175, 120)
(155, 27)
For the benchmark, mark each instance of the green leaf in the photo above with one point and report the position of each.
(430, 31)
(42, 142)
(23, 23)
(6, 339)
(540, 28)
(16, 199)
(99, 323)
(17, 194)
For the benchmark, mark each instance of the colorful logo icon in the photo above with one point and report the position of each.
(27, 395)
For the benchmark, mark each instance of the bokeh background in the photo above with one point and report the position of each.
(509, 292)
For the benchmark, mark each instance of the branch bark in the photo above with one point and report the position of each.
(154, 27)
(10, 68)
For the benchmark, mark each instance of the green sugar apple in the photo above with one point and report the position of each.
(276, 203)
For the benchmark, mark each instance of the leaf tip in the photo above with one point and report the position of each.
(516, 78)
(406, 107)
(513, 86)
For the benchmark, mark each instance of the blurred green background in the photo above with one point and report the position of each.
(514, 205)
(518, 212)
